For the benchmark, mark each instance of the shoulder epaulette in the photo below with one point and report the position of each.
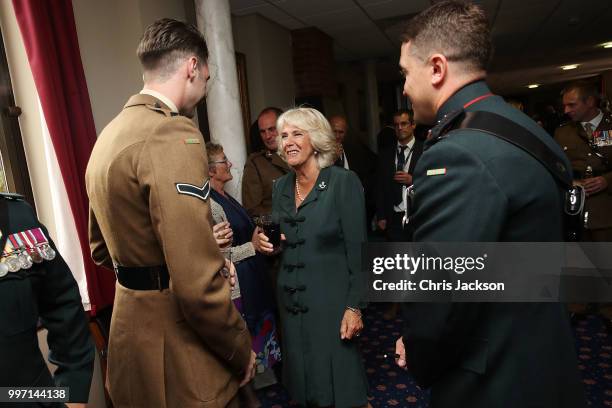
(158, 108)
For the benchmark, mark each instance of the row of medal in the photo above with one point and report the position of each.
(23, 249)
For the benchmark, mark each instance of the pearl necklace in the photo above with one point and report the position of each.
(297, 190)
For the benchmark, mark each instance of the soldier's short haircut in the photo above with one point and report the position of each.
(273, 109)
(166, 42)
(585, 90)
(459, 30)
(408, 112)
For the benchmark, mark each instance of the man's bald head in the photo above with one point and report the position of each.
(339, 126)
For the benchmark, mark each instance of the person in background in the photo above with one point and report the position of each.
(587, 142)
(36, 283)
(263, 167)
(355, 155)
(321, 285)
(256, 299)
(394, 174)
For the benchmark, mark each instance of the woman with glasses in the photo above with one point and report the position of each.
(255, 302)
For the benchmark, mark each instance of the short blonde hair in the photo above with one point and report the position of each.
(321, 136)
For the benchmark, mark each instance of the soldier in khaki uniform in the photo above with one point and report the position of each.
(176, 339)
(587, 142)
(263, 167)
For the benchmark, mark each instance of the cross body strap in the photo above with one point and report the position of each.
(519, 136)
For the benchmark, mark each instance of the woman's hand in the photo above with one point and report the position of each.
(261, 242)
(229, 272)
(351, 325)
(223, 234)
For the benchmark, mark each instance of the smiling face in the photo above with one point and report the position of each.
(417, 85)
(220, 168)
(296, 146)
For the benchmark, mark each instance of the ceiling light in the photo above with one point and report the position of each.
(533, 86)
(607, 44)
(568, 67)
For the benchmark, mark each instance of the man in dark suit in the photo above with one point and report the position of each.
(36, 283)
(394, 174)
(472, 186)
(355, 156)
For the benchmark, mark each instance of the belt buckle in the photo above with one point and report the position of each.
(155, 278)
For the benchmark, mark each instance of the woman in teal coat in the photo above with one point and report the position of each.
(321, 286)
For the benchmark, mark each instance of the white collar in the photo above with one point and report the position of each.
(161, 97)
(595, 121)
(408, 145)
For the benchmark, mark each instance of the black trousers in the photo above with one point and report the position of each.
(396, 231)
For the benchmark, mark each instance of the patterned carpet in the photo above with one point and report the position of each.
(389, 387)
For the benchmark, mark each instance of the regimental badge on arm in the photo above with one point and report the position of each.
(199, 192)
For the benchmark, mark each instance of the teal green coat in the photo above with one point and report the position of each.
(489, 355)
(320, 276)
(48, 293)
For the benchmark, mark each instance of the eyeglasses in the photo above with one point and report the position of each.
(226, 161)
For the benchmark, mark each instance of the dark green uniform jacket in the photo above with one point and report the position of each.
(320, 276)
(47, 291)
(495, 354)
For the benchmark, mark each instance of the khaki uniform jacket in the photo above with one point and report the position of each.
(187, 345)
(573, 140)
(260, 171)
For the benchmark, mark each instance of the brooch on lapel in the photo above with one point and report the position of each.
(322, 185)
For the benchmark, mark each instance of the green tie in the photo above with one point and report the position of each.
(588, 129)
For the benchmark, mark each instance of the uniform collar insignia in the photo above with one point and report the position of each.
(322, 185)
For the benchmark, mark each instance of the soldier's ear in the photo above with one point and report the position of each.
(192, 67)
(439, 68)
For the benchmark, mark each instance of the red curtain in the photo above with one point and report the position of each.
(50, 38)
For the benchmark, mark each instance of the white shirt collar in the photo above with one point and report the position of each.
(595, 121)
(161, 97)
(409, 145)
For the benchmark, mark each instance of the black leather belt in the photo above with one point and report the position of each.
(143, 277)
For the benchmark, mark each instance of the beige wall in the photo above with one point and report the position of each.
(108, 33)
(267, 47)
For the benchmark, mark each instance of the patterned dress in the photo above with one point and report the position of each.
(256, 298)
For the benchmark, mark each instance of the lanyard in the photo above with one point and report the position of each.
(406, 159)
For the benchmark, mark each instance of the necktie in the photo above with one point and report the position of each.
(588, 129)
(401, 158)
